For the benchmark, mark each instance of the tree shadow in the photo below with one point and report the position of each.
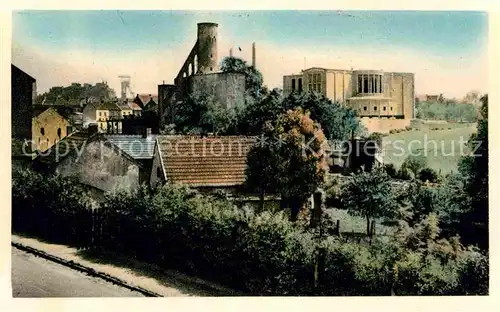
(185, 284)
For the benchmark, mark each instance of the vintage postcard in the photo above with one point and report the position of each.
(169, 153)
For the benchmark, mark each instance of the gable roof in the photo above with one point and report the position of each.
(76, 142)
(209, 161)
(144, 99)
(64, 148)
(136, 146)
(39, 111)
(108, 106)
(134, 106)
(124, 106)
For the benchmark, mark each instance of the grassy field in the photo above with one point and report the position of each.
(357, 224)
(442, 148)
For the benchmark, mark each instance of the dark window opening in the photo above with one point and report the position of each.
(365, 85)
(375, 108)
(210, 68)
(300, 84)
(384, 108)
(293, 84)
(42, 131)
(158, 173)
(360, 84)
(364, 108)
(391, 107)
(211, 55)
(59, 132)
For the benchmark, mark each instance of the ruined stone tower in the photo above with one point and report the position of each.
(207, 48)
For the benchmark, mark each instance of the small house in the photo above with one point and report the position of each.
(95, 160)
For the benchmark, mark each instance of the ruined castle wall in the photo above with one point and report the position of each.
(228, 88)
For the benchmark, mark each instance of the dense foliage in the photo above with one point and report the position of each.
(53, 208)
(289, 159)
(338, 122)
(260, 254)
(474, 169)
(201, 113)
(76, 92)
(254, 81)
(447, 110)
(370, 195)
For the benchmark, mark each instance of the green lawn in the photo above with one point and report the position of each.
(357, 224)
(442, 148)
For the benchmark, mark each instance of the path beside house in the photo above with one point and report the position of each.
(167, 283)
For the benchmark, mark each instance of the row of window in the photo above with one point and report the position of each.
(375, 108)
(370, 83)
(314, 82)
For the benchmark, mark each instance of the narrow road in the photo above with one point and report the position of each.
(33, 276)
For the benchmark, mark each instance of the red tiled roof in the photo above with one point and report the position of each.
(210, 161)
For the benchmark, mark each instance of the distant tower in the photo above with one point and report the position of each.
(231, 52)
(253, 55)
(207, 48)
(125, 84)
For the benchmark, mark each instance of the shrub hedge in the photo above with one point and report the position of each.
(261, 254)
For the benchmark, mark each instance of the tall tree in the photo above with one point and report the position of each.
(254, 81)
(255, 114)
(289, 158)
(338, 122)
(414, 163)
(202, 113)
(370, 195)
(474, 169)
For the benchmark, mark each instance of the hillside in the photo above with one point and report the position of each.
(440, 142)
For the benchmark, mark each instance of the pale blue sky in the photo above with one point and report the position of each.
(325, 38)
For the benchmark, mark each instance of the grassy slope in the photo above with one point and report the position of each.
(443, 147)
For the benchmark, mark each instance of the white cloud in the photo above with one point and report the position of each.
(453, 76)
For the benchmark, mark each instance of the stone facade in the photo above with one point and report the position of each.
(101, 165)
(48, 128)
(371, 93)
(200, 73)
(228, 88)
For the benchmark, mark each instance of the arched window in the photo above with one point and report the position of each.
(59, 132)
(42, 131)
(158, 173)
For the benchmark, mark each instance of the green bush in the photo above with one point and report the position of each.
(428, 174)
(391, 170)
(51, 208)
(261, 254)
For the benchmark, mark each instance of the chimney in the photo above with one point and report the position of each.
(253, 55)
